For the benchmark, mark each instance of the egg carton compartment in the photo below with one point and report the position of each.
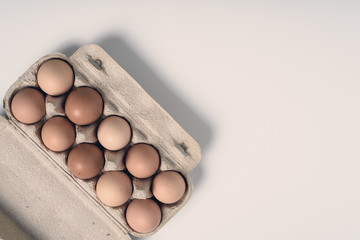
(123, 97)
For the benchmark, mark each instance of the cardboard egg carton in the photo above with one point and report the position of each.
(37, 188)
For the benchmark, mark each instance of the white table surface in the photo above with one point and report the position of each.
(269, 90)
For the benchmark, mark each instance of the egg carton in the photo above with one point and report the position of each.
(36, 186)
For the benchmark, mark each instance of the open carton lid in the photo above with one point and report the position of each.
(43, 198)
(38, 188)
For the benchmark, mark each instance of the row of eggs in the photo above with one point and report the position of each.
(84, 106)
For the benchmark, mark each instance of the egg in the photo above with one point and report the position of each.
(28, 106)
(143, 215)
(55, 77)
(142, 160)
(168, 187)
(85, 161)
(114, 133)
(58, 134)
(84, 105)
(114, 188)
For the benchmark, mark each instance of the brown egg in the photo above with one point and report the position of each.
(85, 161)
(28, 106)
(55, 77)
(84, 105)
(58, 134)
(114, 133)
(142, 160)
(114, 188)
(168, 187)
(143, 215)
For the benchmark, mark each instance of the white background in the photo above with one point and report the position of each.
(270, 90)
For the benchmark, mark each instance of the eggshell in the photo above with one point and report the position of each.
(28, 106)
(123, 96)
(55, 77)
(168, 187)
(84, 105)
(58, 134)
(85, 161)
(143, 215)
(114, 188)
(114, 133)
(142, 160)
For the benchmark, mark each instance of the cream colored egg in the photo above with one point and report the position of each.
(55, 77)
(114, 188)
(114, 133)
(168, 187)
